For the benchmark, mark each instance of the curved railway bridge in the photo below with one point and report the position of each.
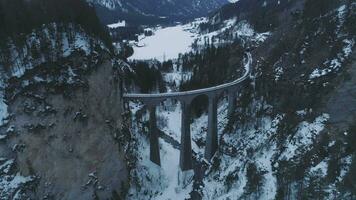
(152, 100)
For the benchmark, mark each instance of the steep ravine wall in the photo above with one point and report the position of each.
(341, 103)
(68, 144)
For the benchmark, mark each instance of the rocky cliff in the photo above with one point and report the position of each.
(61, 125)
(67, 144)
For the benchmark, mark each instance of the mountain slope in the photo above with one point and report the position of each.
(292, 134)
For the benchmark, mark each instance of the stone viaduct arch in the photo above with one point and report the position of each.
(185, 98)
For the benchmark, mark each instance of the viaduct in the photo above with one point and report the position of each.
(152, 100)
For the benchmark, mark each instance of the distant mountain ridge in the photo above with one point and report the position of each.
(110, 10)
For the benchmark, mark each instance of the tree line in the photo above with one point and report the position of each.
(20, 17)
(212, 66)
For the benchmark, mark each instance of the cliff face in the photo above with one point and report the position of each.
(67, 144)
(60, 106)
(341, 102)
(72, 149)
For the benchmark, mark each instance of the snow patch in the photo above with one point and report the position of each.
(118, 24)
(230, 180)
(304, 137)
(10, 184)
(335, 64)
(264, 161)
(321, 168)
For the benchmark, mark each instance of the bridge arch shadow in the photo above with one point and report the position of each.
(199, 105)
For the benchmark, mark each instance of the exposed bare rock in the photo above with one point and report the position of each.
(342, 102)
(70, 151)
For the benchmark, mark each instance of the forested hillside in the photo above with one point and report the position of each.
(21, 17)
(299, 73)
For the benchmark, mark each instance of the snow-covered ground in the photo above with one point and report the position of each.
(304, 137)
(166, 43)
(163, 183)
(10, 185)
(230, 179)
(237, 29)
(160, 183)
(244, 138)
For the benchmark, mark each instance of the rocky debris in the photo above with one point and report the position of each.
(34, 128)
(19, 147)
(29, 109)
(47, 110)
(79, 116)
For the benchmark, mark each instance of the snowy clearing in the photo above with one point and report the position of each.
(166, 43)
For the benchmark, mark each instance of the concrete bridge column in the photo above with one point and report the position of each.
(232, 103)
(185, 160)
(154, 136)
(212, 136)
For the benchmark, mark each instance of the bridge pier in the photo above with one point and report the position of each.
(212, 136)
(154, 136)
(232, 103)
(185, 160)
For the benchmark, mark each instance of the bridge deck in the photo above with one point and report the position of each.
(217, 88)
